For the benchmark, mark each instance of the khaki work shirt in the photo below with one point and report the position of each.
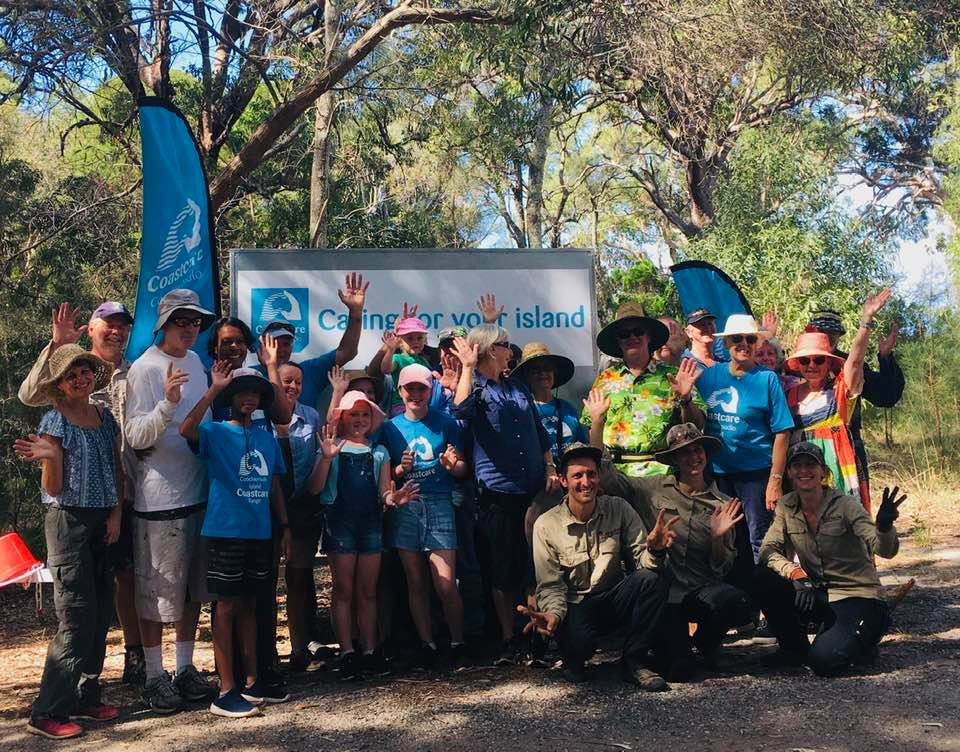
(696, 559)
(575, 559)
(838, 554)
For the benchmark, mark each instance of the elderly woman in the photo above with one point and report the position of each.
(512, 461)
(747, 411)
(822, 403)
(818, 566)
(703, 552)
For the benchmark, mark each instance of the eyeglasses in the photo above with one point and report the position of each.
(502, 344)
(637, 332)
(751, 339)
(183, 323)
(817, 361)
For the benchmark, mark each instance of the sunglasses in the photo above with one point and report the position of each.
(638, 332)
(183, 323)
(751, 339)
(502, 344)
(817, 361)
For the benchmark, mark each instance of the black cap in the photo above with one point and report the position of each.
(699, 314)
(280, 329)
(808, 448)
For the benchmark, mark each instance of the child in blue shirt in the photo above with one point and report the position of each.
(243, 464)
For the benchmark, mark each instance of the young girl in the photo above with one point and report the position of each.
(80, 483)
(411, 338)
(353, 477)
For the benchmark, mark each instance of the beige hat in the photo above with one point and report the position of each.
(741, 323)
(537, 351)
(181, 298)
(63, 359)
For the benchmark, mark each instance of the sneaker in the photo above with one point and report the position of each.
(262, 692)
(233, 705)
(348, 666)
(54, 729)
(460, 657)
(425, 658)
(763, 635)
(134, 666)
(375, 664)
(508, 653)
(743, 632)
(306, 662)
(160, 694)
(644, 678)
(192, 686)
(98, 712)
(538, 650)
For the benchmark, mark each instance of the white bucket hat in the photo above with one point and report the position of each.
(741, 323)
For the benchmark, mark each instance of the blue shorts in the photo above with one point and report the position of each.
(358, 534)
(428, 524)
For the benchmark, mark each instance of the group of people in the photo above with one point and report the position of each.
(724, 487)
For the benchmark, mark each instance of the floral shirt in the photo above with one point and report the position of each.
(642, 409)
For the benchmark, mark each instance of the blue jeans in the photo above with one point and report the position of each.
(751, 488)
(426, 524)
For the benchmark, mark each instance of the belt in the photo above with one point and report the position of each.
(170, 514)
(620, 455)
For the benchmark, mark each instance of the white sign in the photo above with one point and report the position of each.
(550, 305)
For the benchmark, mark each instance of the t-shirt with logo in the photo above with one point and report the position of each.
(568, 420)
(427, 439)
(241, 463)
(744, 413)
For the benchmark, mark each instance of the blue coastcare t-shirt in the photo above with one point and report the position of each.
(427, 439)
(241, 464)
(744, 413)
(572, 430)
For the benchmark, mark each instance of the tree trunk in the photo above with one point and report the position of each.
(535, 170)
(326, 110)
(700, 182)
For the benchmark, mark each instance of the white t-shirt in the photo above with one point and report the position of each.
(170, 475)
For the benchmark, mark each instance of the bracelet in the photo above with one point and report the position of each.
(868, 324)
(685, 400)
(777, 476)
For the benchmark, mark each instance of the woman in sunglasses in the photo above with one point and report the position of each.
(822, 403)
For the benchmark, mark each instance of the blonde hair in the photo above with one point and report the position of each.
(484, 335)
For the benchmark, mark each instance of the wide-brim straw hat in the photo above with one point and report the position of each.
(63, 359)
(349, 401)
(248, 380)
(810, 345)
(741, 323)
(537, 352)
(358, 374)
(631, 313)
(683, 435)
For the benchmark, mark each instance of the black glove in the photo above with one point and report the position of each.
(888, 511)
(806, 595)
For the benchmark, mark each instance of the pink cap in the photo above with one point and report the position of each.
(349, 401)
(410, 325)
(416, 374)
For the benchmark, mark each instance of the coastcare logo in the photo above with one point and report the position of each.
(289, 304)
(727, 399)
(182, 252)
(253, 462)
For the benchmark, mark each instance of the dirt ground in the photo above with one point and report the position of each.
(908, 701)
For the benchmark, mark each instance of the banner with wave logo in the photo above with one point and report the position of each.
(177, 248)
(703, 285)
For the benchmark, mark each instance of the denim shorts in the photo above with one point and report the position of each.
(353, 534)
(428, 524)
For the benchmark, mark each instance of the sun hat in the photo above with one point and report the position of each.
(683, 435)
(410, 325)
(808, 448)
(280, 328)
(111, 308)
(184, 299)
(63, 359)
(538, 352)
(415, 373)
(451, 332)
(359, 374)
(248, 380)
(579, 449)
(349, 401)
(826, 320)
(699, 314)
(631, 313)
(741, 323)
(812, 344)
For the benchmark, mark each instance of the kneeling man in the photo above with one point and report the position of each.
(583, 591)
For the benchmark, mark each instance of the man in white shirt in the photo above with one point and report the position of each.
(163, 385)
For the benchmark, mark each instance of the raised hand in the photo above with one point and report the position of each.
(873, 304)
(889, 342)
(176, 378)
(488, 307)
(467, 354)
(406, 461)
(662, 535)
(770, 323)
(355, 294)
(64, 325)
(327, 439)
(449, 458)
(395, 497)
(339, 379)
(597, 404)
(889, 508)
(221, 374)
(451, 370)
(724, 518)
(545, 622)
(409, 311)
(687, 375)
(35, 448)
(391, 341)
(268, 350)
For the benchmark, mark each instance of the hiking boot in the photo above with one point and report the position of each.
(233, 705)
(192, 686)
(348, 666)
(98, 712)
(262, 692)
(644, 678)
(54, 729)
(134, 666)
(161, 696)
